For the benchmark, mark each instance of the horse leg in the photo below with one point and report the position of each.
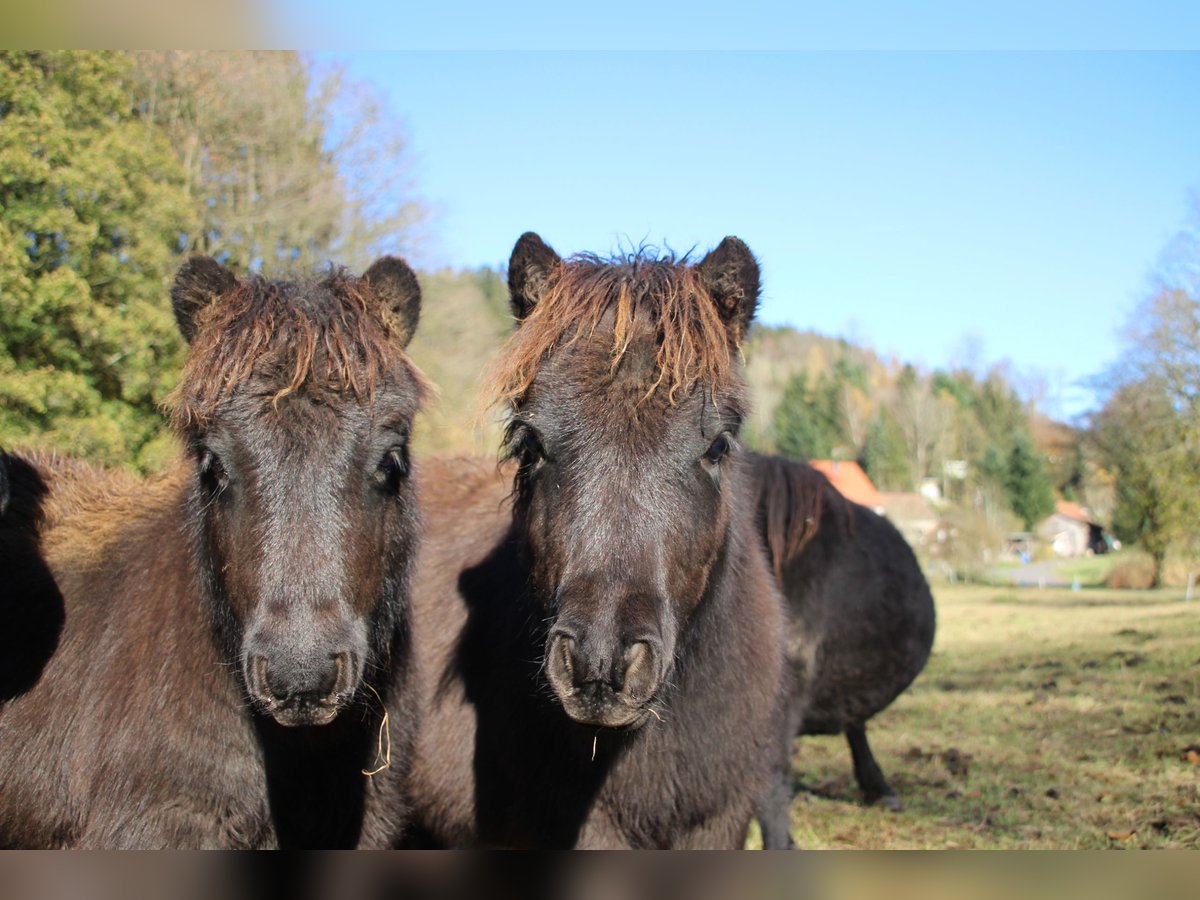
(875, 788)
(774, 810)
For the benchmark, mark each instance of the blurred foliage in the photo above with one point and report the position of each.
(826, 418)
(93, 203)
(885, 455)
(973, 536)
(1148, 432)
(294, 168)
(1027, 482)
(464, 320)
(807, 423)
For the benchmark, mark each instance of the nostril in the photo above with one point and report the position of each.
(560, 663)
(564, 648)
(341, 673)
(258, 669)
(641, 671)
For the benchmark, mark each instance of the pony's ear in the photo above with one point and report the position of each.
(529, 269)
(395, 285)
(200, 281)
(730, 273)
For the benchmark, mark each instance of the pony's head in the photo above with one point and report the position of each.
(296, 405)
(625, 396)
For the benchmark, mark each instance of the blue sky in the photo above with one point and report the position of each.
(920, 202)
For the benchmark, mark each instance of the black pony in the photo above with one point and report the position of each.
(601, 658)
(861, 620)
(214, 657)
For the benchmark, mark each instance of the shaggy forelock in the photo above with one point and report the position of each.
(693, 343)
(332, 333)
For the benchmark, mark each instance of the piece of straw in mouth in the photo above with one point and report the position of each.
(381, 753)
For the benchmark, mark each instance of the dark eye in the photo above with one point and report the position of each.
(213, 476)
(393, 468)
(524, 445)
(526, 448)
(531, 450)
(717, 450)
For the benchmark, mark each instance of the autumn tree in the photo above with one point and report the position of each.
(1149, 429)
(1129, 432)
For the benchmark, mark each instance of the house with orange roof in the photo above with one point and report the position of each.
(851, 481)
(1071, 531)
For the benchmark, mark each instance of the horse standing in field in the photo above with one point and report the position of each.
(599, 637)
(204, 658)
(861, 620)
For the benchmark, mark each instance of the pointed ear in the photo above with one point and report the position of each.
(730, 273)
(200, 281)
(395, 285)
(529, 269)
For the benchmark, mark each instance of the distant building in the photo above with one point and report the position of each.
(912, 514)
(851, 481)
(1071, 532)
(930, 490)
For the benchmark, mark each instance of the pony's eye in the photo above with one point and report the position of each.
(530, 455)
(393, 468)
(531, 450)
(717, 450)
(213, 476)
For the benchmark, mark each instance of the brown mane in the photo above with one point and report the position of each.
(346, 346)
(694, 344)
(87, 507)
(791, 502)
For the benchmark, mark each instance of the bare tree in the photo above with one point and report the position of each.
(924, 418)
(284, 172)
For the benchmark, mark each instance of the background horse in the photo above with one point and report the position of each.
(601, 658)
(861, 620)
(203, 658)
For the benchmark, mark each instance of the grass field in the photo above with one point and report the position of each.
(1045, 719)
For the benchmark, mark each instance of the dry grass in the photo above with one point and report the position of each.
(1045, 719)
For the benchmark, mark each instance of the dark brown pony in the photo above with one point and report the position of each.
(861, 620)
(213, 657)
(597, 628)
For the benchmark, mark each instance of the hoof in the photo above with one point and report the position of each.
(889, 802)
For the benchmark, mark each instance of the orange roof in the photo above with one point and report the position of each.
(850, 480)
(1072, 510)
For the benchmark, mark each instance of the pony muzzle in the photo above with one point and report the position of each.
(302, 692)
(604, 683)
